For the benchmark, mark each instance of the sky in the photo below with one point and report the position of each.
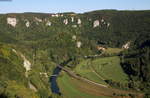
(78, 6)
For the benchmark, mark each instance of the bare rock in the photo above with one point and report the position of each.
(27, 24)
(12, 21)
(79, 21)
(72, 19)
(65, 21)
(74, 37)
(48, 23)
(38, 19)
(96, 23)
(79, 44)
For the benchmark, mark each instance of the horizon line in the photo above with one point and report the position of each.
(42, 12)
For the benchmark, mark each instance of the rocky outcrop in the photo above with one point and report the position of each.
(108, 24)
(26, 63)
(96, 23)
(74, 37)
(126, 46)
(72, 19)
(79, 44)
(48, 23)
(79, 21)
(38, 19)
(27, 66)
(12, 21)
(27, 24)
(65, 21)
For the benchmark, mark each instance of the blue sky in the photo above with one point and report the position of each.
(79, 6)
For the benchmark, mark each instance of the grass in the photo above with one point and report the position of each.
(109, 68)
(85, 70)
(111, 51)
(70, 88)
(100, 69)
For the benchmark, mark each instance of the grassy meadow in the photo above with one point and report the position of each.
(70, 88)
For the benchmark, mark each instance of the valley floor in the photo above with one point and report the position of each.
(88, 83)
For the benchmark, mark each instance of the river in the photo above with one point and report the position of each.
(53, 81)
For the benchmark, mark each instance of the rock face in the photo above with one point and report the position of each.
(12, 21)
(72, 19)
(26, 63)
(55, 15)
(79, 21)
(27, 24)
(108, 24)
(96, 23)
(102, 20)
(48, 23)
(65, 21)
(79, 44)
(38, 19)
(126, 46)
(27, 66)
(74, 37)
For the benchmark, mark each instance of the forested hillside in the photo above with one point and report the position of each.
(46, 40)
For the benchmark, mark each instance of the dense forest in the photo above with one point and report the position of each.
(136, 63)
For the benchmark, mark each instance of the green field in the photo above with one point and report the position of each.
(84, 69)
(69, 88)
(109, 68)
(101, 69)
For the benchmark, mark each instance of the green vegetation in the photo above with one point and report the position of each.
(104, 70)
(46, 46)
(112, 51)
(13, 82)
(136, 63)
(85, 69)
(69, 89)
(109, 68)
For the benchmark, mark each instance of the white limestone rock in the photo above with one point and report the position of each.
(38, 19)
(32, 87)
(55, 15)
(74, 37)
(48, 23)
(27, 24)
(12, 21)
(72, 19)
(61, 15)
(126, 46)
(102, 20)
(79, 21)
(108, 24)
(65, 21)
(26, 63)
(79, 44)
(96, 23)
